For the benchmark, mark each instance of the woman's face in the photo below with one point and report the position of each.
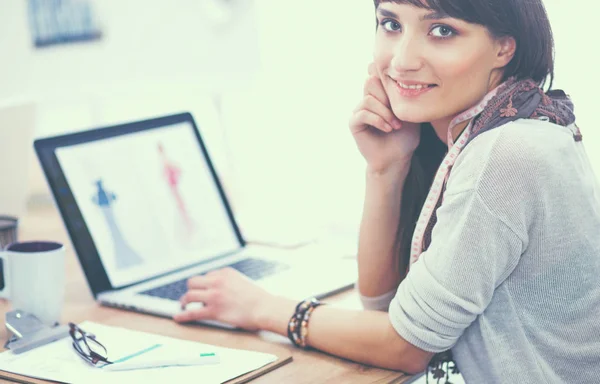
(434, 67)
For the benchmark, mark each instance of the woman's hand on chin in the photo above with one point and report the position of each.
(382, 139)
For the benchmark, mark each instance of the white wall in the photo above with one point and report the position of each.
(576, 65)
(291, 128)
(143, 42)
(293, 71)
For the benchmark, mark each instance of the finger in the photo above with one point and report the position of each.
(364, 118)
(202, 281)
(374, 87)
(195, 296)
(372, 104)
(193, 314)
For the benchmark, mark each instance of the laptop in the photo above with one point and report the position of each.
(145, 211)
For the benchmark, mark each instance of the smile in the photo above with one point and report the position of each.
(413, 90)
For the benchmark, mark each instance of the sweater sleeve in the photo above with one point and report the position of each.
(471, 253)
(378, 303)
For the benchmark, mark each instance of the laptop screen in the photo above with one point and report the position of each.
(148, 200)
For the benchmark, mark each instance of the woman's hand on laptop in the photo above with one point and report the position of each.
(227, 296)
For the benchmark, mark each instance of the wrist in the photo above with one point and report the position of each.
(274, 313)
(398, 170)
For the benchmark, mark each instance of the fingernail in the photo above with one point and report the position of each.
(388, 127)
(397, 124)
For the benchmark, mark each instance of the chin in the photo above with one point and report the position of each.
(412, 115)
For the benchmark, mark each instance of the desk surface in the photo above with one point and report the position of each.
(43, 223)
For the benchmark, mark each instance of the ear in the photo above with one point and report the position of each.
(507, 47)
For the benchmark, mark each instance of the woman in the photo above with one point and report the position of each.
(495, 259)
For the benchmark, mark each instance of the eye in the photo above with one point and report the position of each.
(443, 31)
(390, 25)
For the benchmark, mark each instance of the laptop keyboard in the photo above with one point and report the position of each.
(255, 269)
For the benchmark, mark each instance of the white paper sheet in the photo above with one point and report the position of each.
(58, 361)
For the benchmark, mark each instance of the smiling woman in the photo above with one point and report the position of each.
(479, 196)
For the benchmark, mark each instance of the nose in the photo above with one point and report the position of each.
(407, 54)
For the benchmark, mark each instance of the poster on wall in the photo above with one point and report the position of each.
(55, 22)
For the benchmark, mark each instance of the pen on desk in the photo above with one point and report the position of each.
(161, 362)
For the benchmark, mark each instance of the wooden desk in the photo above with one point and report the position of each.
(43, 223)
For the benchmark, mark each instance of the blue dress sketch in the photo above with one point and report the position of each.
(125, 256)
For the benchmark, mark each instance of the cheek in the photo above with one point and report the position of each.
(464, 77)
(456, 66)
(468, 64)
(382, 54)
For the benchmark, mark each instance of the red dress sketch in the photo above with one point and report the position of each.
(172, 174)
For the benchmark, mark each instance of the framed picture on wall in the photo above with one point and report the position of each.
(55, 22)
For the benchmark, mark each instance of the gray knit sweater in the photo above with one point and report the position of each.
(511, 280)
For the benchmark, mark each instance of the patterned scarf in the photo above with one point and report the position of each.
(512, 100)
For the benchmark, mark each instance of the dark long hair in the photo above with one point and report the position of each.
(527, 22)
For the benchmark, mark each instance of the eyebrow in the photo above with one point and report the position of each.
(435, 15)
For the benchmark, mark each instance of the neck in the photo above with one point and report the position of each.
(441, 129)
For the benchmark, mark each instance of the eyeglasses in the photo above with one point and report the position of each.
(87, 347)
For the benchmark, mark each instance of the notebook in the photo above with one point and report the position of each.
(60, 362)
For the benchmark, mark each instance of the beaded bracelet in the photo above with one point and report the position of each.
(298, 324)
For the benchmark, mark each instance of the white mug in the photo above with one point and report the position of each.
(34, 278)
